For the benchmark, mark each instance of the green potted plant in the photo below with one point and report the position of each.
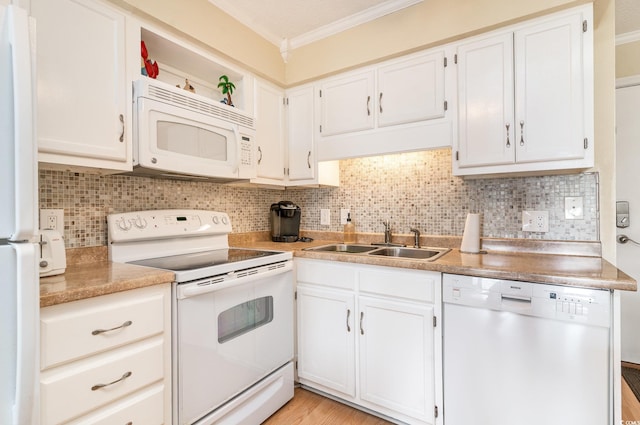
(227, 87)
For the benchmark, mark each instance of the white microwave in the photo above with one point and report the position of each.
(186, 136)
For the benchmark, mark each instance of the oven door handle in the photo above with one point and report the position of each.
(222, 282)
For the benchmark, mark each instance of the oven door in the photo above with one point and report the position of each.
(230, 333)
(177, 140)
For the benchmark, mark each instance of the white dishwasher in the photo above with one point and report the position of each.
(525, 353)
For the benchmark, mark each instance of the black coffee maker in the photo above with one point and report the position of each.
(285, 222)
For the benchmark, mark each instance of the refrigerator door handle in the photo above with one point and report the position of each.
(28, 335)
(19, 34)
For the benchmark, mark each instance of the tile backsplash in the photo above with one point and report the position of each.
(410, 189)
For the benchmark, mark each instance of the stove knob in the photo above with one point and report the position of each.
(123, 224)
(216, 220)
(140, 222)
(225, 220)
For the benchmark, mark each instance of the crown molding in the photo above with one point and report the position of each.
(287, 45)
(349, 22)
(628, 37)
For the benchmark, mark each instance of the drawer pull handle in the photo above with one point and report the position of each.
(124, 325)
(122, 378)
(361, 318)
(348, 314)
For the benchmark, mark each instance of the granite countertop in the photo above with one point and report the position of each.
(89, 274)
(97, 277)
(552, 262)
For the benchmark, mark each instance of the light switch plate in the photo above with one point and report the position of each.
(535, 221)
(573, 208)
(325, 217)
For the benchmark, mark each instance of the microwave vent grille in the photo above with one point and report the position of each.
(218, 111)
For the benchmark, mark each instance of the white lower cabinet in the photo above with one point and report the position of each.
(107, 359)
(368, 335)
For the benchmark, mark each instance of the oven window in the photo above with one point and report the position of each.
(245, 317)
(191, 140)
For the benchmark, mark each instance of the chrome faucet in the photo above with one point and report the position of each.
(387, 232)
(416, 237)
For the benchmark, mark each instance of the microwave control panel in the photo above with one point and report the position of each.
(246, 148)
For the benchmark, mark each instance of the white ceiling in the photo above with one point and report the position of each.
(293, 23)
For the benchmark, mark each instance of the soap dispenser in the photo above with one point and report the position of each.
(349, 230)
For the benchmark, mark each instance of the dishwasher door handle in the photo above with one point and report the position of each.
(515, 303)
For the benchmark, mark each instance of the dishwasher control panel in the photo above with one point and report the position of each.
(566, 303)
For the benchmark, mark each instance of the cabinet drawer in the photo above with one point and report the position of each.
(326, 273)
(398, 283)
(81, 328)
(143, 408)
(70, 391)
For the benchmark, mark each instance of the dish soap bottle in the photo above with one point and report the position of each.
(349, 230)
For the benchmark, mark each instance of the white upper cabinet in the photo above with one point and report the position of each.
(302, 155)
(285, 137)
(270, 135)
(82, 89)
(395, 106)
(485, 93)
(411, 90)
(347, 103)
(525, 97)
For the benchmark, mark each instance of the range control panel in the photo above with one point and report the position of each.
(159, 224)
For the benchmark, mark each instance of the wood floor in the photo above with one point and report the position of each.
(308, 408)
(630, 404)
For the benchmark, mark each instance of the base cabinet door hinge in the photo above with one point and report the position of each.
(584, 26)
(457, 156)
(435, 412)
(586, 143)
(446, 105)
(435, 321)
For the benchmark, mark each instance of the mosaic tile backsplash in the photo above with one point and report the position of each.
(410, 189)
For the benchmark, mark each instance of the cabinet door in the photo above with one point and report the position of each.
(411, 90)
(326, 341)
(485, 99)
(347, 104)
(270, 132)
(549, 91)
(397, 356)
(302, 161)
(81, 81)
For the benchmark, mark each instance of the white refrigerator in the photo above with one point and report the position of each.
(19, 252)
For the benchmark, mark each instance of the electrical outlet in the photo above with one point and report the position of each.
(52, 219)
(325, 217)
(535, 221)
(573, 208)
(344, 212)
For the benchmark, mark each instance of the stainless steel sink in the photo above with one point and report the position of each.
(424, 254)
(428, 254)
(345, 248)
